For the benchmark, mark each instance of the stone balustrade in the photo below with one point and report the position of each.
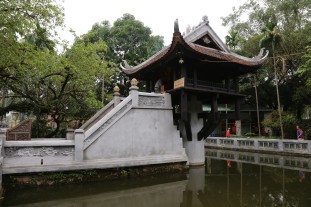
(265, 145)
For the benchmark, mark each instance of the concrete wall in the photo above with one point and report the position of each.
(36, 156)
(140, 131)
(137, 131)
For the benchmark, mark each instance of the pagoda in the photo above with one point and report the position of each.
(196, 69)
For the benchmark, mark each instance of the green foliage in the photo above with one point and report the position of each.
(127, 39)
(19, 19)
(282, 27)
(289, 122)
(60, 85)
(232, 39)
(22, 17)
(70, 86)
(305, 70)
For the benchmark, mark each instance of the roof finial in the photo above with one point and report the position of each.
(176, 26)
(205, 19)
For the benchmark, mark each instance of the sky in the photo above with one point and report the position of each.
(158, 15)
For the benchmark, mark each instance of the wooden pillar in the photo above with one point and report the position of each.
(237, 109)
(148, 86)
(214, 104)
(174, 75)
(184, 114)
(195, 77)
(236, 84)
(184, 105)
(228, 83)
(213, 119)
(183, 71)
(152, 86)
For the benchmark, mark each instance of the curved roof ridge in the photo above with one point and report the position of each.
(230, 56)
(187, 43)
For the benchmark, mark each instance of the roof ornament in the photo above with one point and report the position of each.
(126, 65)
(205, 19)
(176, 26)
(261, 54)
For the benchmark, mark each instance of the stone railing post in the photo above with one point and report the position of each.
(79, 138)
(2, 138)
(116, 96)
(280, 145)
(134, 92)
(256, 144)
(70, 133)
(218, 141)
(309, 146)
(235, 143)
(168, 100)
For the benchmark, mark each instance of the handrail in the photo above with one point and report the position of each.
(264, 145)
(100, 114)
(109, 119)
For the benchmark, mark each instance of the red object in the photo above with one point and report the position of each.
(228, 133)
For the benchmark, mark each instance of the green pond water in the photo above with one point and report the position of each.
(228, 179)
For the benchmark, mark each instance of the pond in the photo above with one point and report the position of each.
(228, 179)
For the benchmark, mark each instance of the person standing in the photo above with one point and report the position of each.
(228, 134)
(299, 133)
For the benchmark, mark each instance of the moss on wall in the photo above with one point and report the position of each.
(66, 177)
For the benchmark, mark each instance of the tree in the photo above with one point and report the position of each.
(127, 39)
(19, 19)
(232, 39)
(40, 81)
(271, 36)
(293, 18)
(62, 86)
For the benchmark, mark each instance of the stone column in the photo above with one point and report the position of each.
(134, 92)
(2, 138)
(238, 127)
(195, 149)
(79, 138)
(116, 96)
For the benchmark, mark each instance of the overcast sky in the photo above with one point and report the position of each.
(159, 15)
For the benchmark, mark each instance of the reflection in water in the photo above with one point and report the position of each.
(229, 178)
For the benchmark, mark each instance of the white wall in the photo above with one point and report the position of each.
(141, 132)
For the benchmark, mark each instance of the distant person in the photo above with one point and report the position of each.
(299, 133)
(301, 176)
(228, 134)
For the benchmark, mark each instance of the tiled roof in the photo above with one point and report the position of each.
(189, 43)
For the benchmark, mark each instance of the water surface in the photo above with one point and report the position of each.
(228, 179)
